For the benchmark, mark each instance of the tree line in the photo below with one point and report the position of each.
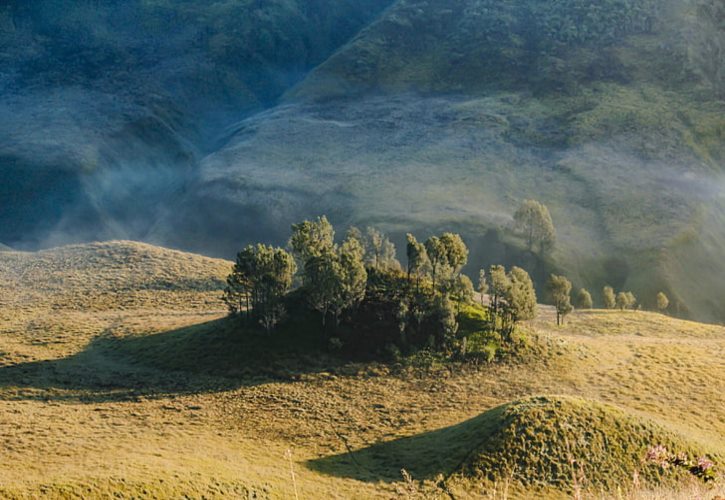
(363, 297)
(359, 282)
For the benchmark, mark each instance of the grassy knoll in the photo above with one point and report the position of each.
(168, 398)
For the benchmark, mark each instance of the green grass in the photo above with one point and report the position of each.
(539, 442)
(547, 441)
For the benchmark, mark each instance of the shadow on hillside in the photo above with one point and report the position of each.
(424, 456)
(208, 357)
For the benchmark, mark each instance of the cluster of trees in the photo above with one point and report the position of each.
(560, 287)
(362, 294)
(260, 279)
(364, 297)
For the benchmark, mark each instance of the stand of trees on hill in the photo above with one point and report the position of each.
(365, 300)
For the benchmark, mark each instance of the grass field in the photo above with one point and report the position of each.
(119, 376)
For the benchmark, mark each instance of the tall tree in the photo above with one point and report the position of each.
(662, 302)
(456, 251)
(622, 301)
(560, 289)
(445, 313)
(260, 278)
(418, 262)
(462, 291)
(379, 251)
(520, 300)
(438, 258)
(482, 286)
(584, 299)
(322, 282)
(238, 293)
(353, 277)
(312, 239)
(610, 300)
(500, 284)
(533, 222)
(335, 279)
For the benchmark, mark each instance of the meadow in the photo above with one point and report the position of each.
(120, 376)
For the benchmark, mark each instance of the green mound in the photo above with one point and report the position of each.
(550, 441)
(538, 443)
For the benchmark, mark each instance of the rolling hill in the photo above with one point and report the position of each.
(158, 394)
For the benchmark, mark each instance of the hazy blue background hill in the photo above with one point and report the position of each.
(107, 106)
(208, 125)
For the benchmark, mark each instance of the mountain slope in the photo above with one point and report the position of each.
(106, 107)
(161, 122)
(431, 118)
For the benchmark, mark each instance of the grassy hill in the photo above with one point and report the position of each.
(111, 275)
(448, 114)
(155, 393)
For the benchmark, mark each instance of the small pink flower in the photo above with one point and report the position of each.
(659, 455)
(704, 464)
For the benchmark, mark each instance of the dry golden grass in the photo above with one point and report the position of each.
(82, 414)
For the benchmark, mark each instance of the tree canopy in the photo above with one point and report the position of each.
(560, 289)
(533, 222)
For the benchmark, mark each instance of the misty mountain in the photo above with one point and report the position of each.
(207, 126)
(107, 106)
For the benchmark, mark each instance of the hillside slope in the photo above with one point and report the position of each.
(149, 394)
(445, 115)
(206, 126)
(110, 276)
(105, 107)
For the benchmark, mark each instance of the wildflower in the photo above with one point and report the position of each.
(704, 464)
(659, 455)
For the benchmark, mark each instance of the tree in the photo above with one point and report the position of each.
(520, 300)
(462, 291)
(238, 292)
(379, 251)
(662, 302)
(560, 289)
(584, 299)
(322, 282)
(533, 222)
(353, 277)
(626, 300)
(418, 263)
(456, 251)
(336, 279)
(312, 239)
(482, 285)
(500, 284)
(610, 300)
(446, 315)
(438, 258)
(260, 278)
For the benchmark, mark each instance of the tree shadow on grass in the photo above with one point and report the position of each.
(424, 456)
(208, 357)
